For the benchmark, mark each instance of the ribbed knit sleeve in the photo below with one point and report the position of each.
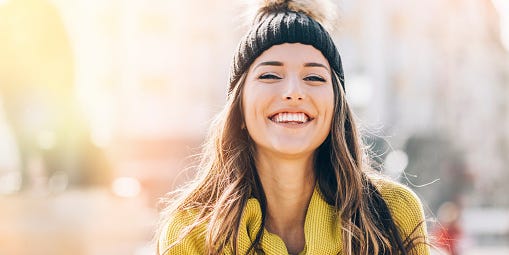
(407, 212)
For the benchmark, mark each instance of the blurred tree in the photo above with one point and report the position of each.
(37, 89)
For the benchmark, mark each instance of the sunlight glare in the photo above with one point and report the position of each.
(502, 7)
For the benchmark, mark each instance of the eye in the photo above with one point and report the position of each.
(314, 78)
(269, 76)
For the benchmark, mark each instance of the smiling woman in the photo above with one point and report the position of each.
(283, 171)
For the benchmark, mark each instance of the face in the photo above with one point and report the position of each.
(288, 100)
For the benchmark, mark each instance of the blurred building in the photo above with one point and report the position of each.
(434, 68)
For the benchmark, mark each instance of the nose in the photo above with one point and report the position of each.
(293, 89)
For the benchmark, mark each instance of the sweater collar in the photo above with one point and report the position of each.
(322, 229)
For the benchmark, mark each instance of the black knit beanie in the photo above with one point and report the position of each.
(280, 25)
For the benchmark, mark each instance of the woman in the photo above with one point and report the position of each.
(284, 171)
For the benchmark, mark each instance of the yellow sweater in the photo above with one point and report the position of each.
(321, 228)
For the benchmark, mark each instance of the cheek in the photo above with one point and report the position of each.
(255, 98)
(249, 104)
(246, 101)
(327, 103)
(327, 106)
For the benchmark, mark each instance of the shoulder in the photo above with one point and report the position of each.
(175, 236)
(404, 204)
(406, 210)
(398, 196)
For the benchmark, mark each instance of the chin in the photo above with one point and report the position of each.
(294, 149)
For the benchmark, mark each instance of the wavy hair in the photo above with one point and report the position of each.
(227, 178)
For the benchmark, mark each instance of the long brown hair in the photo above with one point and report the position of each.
(227, 178)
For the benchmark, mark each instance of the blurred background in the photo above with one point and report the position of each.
(103, 102)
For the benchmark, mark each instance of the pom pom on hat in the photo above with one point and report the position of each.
(323, 11)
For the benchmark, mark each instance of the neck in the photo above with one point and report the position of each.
(288, 185)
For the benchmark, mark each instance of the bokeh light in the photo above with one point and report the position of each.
(395, 163)
(126, 187)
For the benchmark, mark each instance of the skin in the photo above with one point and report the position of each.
(292, 78)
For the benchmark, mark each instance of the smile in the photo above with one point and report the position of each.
(290, 117)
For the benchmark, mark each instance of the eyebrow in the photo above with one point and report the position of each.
(313, 64)
(277, 63)
(269, 63)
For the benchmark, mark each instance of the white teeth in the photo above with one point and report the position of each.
(290, 117)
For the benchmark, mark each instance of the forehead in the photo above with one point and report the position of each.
(292, 53)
